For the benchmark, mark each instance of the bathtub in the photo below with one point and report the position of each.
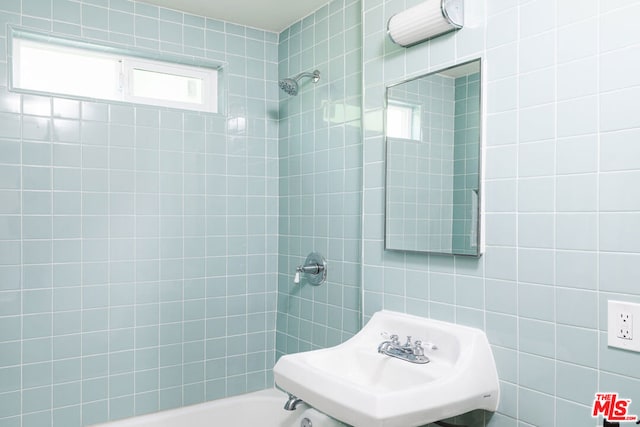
(260, 408)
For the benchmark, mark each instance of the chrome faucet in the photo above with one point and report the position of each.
(411, 352)
(292, 403)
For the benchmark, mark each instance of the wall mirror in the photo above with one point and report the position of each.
(433, 136)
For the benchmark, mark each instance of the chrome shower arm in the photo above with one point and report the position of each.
(315, 76)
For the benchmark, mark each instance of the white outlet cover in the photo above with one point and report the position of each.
(614, 323)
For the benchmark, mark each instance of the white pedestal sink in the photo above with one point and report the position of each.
(355, 384)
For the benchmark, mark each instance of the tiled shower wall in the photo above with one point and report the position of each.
(562, 172)
(138, 245)
(321, 177)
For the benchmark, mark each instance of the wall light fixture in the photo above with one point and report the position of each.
(425, 21)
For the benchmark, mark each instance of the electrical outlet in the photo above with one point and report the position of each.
(625, 328)
(621, 316)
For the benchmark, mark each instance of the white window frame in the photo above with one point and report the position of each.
(127, 64)
(209, 83)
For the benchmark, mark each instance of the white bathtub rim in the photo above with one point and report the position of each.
(145, 419)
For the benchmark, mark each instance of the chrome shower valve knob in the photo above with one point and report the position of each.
(314, 270)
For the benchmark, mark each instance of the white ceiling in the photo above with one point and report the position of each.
(270, 15)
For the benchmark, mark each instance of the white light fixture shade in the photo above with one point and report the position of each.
(425, 21)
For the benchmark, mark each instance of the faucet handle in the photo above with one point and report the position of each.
(391, 337)
(427, 345)
(418, 350)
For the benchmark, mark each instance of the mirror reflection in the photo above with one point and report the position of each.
(433, 162)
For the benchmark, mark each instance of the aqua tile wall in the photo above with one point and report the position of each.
(138, 245)
(561, 160)
(321, 177)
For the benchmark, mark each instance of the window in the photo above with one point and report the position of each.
(151, 82)
(403, 121)
(55, 69)
(58, 68)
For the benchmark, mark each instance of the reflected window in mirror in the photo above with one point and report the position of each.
(433, 137)
(404, 120)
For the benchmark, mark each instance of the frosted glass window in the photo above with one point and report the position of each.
(153, 82)
(53, 69)
(62, 70)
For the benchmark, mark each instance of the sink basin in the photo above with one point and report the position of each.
(367, 369)
(355, 384)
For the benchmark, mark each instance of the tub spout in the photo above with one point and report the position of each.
(292, 403)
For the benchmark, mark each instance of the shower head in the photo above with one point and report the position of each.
(290, 85)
